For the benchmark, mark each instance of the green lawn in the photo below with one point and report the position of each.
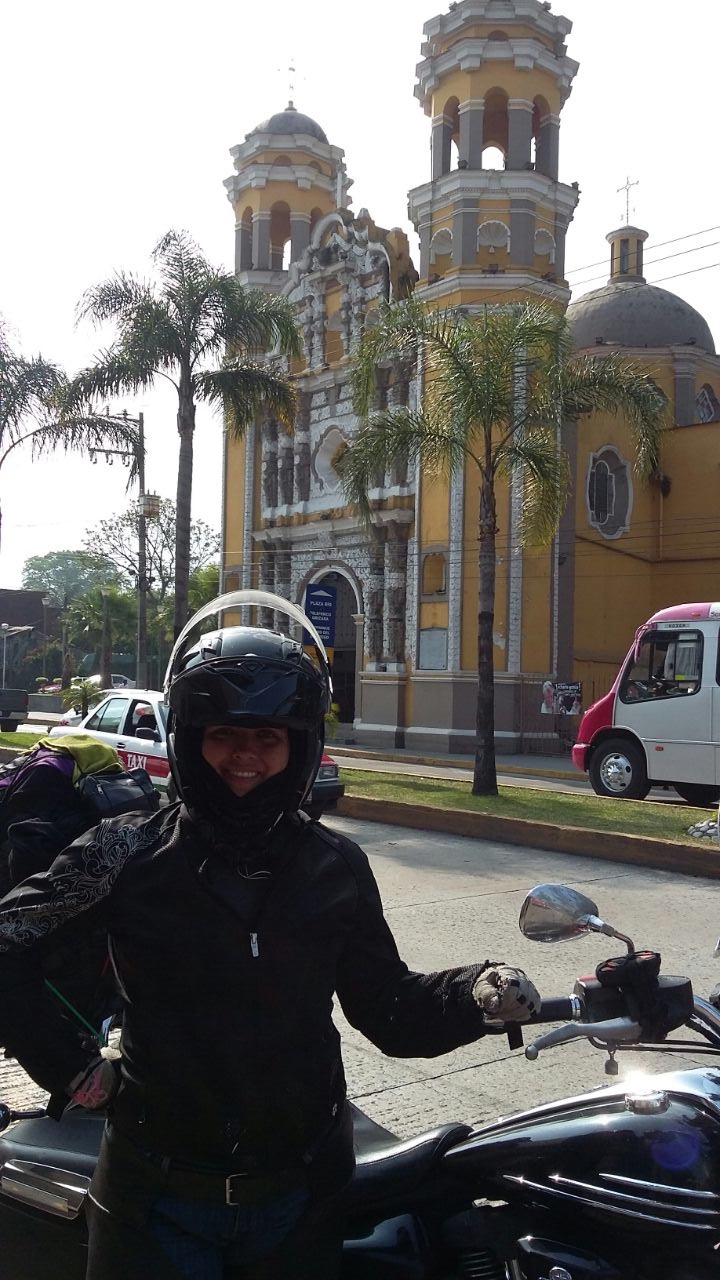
(629, 817)
(19, 740)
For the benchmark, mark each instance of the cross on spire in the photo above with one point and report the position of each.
(626, 187)
(291, 84)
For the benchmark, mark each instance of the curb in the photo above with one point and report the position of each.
(434, 762)
(643, 851)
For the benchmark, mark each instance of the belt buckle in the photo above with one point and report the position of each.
(230, 1187)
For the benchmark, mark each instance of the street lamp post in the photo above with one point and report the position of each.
(5, 628)
(106, 642)
(46, 602)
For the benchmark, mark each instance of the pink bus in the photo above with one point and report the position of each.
(660, 723)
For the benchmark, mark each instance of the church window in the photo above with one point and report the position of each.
(279, 233)
(609, 492)
(624, 257)
(493, 158)
(434, 573)
(601, 492)
(495, 129)
(707, 407)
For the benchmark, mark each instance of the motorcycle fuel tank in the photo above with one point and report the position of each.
(631, 1155)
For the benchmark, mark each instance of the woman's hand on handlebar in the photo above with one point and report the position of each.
(506, 994)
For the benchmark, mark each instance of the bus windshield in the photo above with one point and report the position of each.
(665, 664)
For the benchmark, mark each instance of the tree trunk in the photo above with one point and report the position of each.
(186, 431)
(485, 776)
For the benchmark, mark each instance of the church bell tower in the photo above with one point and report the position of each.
(492, 219)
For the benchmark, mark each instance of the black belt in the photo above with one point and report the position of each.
(206, 1183)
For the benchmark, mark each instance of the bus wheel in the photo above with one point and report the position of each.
(617, 769)
(696, 794)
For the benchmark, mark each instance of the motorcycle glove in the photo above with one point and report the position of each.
(95, 1087)
(506, 994)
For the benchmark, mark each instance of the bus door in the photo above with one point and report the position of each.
(666, 697)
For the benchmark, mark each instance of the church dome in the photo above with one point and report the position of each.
(290, 121)
(631, 313)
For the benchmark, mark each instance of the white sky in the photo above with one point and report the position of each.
(117, 125)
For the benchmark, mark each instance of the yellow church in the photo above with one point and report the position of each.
(400, 604)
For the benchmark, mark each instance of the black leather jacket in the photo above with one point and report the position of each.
(230, 1056)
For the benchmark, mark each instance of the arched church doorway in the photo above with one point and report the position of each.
(344, 660)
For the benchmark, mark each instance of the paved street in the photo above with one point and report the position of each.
(451, 900)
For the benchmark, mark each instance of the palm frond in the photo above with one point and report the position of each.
(115, 373)
(243, 388)
(28, 387)
(83, 434)
(257, 321)
(546, 479)
(179, 260)
(397, 436)
(614, 384)
(117, 298)
(214, 310)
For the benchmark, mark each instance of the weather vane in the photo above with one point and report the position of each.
(626, 187)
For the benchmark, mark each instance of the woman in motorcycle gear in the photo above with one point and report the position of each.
(233, 922)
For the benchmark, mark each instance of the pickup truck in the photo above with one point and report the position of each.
(13, 709)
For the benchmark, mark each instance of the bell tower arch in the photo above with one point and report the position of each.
(494, 78)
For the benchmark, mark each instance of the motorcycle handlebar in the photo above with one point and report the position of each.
(559, 1009)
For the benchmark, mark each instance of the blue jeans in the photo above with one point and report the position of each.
(202, 1238)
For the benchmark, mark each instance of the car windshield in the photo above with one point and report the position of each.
(162, 708)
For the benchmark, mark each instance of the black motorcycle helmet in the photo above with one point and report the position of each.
(246, 677)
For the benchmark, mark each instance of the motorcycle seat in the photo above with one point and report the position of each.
(389, 1169)
(71, 1145)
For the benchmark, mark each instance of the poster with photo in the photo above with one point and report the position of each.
(561, 698)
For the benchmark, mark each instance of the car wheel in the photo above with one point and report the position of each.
(9, 726)
(700, 796)
(617, 769)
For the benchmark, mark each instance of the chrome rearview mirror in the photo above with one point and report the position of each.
(556, 913)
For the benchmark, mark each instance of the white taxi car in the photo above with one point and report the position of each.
(134, 722)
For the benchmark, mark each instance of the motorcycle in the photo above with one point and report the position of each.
(621, 1183)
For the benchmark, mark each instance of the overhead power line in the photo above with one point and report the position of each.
(661, 244)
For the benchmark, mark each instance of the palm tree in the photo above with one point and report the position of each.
(200, 329)
(31, 392)
(498, 389)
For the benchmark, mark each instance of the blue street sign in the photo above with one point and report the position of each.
(320, 603)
